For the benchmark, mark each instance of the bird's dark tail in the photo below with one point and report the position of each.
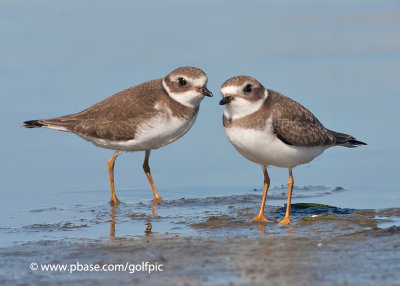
(58, 123)
(33, 124)
(346, 140)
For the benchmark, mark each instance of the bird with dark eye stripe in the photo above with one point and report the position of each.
(141, 118)
(269, 128)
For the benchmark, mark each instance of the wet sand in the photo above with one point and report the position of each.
(207, 241)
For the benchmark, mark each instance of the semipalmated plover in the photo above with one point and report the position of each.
(269, 128)
(141, 118)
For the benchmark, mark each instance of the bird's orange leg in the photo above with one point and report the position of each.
(111, 162)
(146, 169)
(260, 216)
(286, 219)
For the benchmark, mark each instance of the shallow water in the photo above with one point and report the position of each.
(207, 241)
(68, 220)
(183, 216)
(341, 60)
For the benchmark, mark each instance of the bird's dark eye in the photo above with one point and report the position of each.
(182, 81)
(248, 88)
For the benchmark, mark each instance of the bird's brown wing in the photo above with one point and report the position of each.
(118, 116)
(297, 126)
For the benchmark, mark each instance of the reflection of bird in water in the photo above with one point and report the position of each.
(261, 228)
(148, 228)
(141, 118)
(148, 224)
(112, 221)
(154, 207)
(269, 128)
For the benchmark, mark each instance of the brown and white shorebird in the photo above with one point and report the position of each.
(141, 118)
(269, 128)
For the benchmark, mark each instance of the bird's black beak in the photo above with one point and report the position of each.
(204, 91)
(226, 100)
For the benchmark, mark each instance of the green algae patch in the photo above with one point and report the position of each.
(310, 205)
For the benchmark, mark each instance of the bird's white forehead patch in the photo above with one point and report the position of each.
(200, 81)
(230, 89)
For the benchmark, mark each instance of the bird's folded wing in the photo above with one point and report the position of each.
(297, 126)
(115, 118)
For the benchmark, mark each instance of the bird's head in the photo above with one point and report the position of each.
(187, 85)
(242, 95)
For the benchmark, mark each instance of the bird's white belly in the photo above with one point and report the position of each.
(158, 132)
(264, 148)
